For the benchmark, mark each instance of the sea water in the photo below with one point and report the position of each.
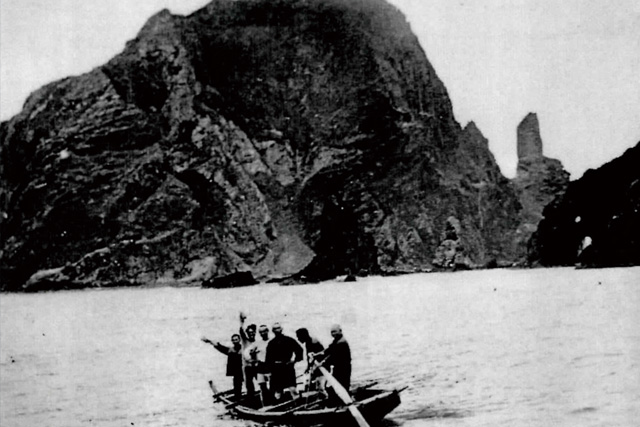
(543, 347)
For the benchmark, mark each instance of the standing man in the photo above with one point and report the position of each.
(312, 347)
(260, 355)
(338, 356)
(248, 337)
(234, 361)
(282, 354)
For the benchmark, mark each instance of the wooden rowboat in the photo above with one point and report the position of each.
(312, 408)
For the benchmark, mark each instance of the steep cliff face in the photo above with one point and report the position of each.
(266, 136)
(487, 205)
(539, 179)
(597, 221)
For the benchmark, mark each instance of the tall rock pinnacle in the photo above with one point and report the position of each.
(539, 179)
(529, 141)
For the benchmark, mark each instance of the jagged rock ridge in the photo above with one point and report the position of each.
(267, 136)
(597, 221)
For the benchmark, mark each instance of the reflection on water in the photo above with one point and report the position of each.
(487, 348)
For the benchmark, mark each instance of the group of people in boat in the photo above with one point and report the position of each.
(269, 361)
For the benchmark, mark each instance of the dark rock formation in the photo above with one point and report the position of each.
(271, 136)
(450, 253)
(350, 278)
(597, 221)
(233, 280)
(539, 179)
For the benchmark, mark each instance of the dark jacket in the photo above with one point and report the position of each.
(280, 351)
(338, 355)
(234, 359)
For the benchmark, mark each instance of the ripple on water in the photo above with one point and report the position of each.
(584, 410)
(430, 411)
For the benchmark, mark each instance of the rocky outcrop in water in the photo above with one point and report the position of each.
(275, 137)
(539, 179)
(597, 221)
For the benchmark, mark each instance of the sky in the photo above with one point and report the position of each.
(575, 63)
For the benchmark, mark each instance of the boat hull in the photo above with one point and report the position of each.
(374, 405)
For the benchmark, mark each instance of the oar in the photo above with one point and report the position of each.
(216, 393)
(343, 394)
(214, 389)
(366, 385)
(241, 401)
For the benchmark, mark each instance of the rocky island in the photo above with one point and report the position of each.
(301, 139)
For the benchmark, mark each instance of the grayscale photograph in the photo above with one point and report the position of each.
(284, 213)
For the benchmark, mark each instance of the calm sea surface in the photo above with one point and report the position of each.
(548, 347)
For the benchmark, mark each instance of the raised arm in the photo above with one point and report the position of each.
(220, 347)
(243, 334)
